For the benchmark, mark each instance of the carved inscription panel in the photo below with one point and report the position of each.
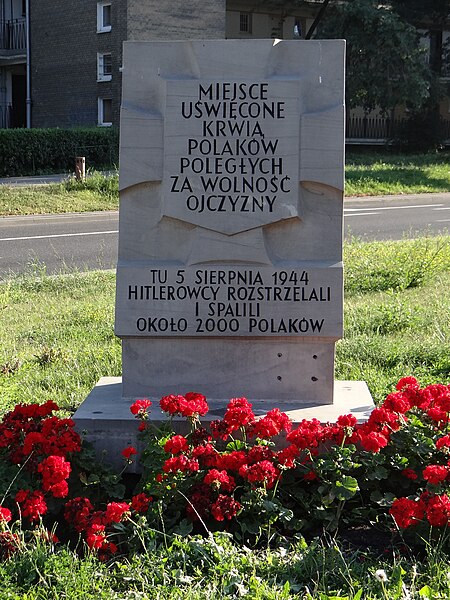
(231, 152)
(230, 301)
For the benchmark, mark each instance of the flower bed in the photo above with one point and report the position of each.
(393, 470)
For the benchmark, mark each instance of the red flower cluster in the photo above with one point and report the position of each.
(176, 444)
(225, 508)
(5, 515)
(435, 508)
(31, 429)
(80, 513)
(407, 512)
(128, 452)
(189, 405)
(435, 474)
(140, 406)
(219, 480)
(32, 504)
(55, 470)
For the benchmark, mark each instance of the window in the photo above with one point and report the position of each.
(298, 29)
(245, 22)
(104, 67)
(103, 17)
(105, 112)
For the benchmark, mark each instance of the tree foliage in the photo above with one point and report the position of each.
(385, 64)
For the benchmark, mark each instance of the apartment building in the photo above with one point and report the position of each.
(60, 60)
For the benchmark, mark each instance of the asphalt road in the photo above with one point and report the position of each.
(89, 240)
(394, 217)
(81, 241)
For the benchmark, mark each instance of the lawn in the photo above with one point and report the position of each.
(379, 173)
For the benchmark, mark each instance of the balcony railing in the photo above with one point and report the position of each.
(13, 35)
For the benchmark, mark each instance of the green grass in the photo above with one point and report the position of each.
(213, 569)
(376, 173)
(57, 339)
(367, 173)
(95, 194)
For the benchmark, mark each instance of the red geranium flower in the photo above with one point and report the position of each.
(5, 515)
(32, 504)
(225, 508)
(409, 474)
(128, 452)
(115, 511)
(78, 513)
(219, 480)
(262, 472)
(139, 407)
(141, 502)
(55, 470)
(435, 474)
(407, 512)
(176, 444)
(438, 510)
(238, 414)
(96, 536)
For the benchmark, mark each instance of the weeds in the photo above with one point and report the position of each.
(396, 265)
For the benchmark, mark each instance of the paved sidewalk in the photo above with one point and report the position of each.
(436, 196)
(42, 179)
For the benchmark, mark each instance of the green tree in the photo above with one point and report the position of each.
(385, 64)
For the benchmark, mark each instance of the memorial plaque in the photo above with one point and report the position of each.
(231, 153)
(229, 278)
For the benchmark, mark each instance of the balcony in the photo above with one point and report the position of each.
(13, 35)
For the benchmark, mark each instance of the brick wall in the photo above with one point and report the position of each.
(176, 19)
(65, 43)
(64, 47)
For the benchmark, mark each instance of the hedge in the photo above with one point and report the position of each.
(37, 151)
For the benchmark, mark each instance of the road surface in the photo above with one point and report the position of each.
(89, 240)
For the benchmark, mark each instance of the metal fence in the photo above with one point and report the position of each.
(379, 130)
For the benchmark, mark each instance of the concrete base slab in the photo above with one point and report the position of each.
(105, 420)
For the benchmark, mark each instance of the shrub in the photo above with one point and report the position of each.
(35, 151)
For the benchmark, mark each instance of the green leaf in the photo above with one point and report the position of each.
(385, 499)
(378, 473)
(346, 488)
(235, 445)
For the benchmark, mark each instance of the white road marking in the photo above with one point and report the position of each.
(446, 208)
(442, 221)
(433, 206)
(56, 235)
(360, 214)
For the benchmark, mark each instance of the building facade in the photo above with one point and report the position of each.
(60, 60)
(13, 63)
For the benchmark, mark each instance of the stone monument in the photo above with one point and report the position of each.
(230, 277)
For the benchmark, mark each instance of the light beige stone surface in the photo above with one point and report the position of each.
(231, 162)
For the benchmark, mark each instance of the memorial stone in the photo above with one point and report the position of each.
(230, 277)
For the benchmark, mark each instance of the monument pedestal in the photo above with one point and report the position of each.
(105, 420)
